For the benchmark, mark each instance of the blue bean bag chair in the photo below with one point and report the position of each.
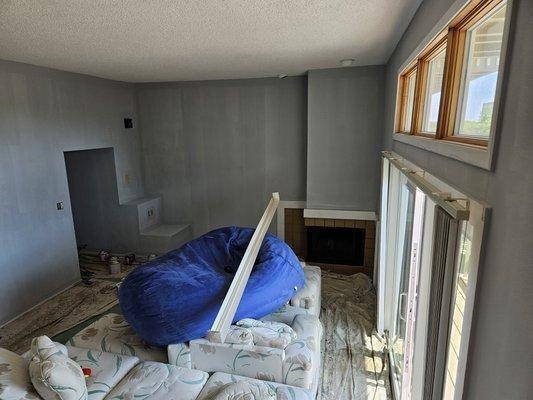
(176, 297)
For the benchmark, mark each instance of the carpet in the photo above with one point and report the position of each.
(60, 313)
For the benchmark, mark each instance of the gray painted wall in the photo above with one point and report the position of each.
(43, 113)
(345, 119)
(501, 357)
(216, 150)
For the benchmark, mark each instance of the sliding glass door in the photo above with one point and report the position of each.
(425, 281)
(401, 290)
(409, 223)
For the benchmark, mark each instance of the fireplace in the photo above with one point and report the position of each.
(332, 245)
(344, 245)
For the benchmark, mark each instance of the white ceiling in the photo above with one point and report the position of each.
(170, 40)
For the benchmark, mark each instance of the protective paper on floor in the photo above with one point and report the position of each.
(64, 311)
(354, 364)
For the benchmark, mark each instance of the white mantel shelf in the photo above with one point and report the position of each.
(340, 214)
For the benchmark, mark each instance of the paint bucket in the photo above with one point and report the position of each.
(129, 259)
(103, 255)
(114, 266)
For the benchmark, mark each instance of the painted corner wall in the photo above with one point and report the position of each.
(345, 120)
(216, 150)
(501, 357)
(43, 113)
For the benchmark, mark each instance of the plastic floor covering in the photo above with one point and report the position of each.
(354, 365)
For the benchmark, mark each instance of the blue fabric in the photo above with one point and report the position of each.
(176, 297)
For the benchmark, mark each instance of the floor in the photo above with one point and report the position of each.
(66, 310)
(354, 363)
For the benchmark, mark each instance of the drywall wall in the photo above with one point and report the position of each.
(345, 120)
(501, 358)
(215, 150)
(43, 113)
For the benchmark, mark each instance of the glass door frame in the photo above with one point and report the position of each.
(398, 223)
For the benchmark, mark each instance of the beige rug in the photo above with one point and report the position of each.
(58, 314)
(354, 364)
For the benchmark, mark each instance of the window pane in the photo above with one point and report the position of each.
(433, 91)
(484, 45)
(458, 307)
(409, 100)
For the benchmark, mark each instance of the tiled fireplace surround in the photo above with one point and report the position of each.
(296, 237)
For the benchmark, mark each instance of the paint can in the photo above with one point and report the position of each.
(103, 255)
(114, 266)
(129, 259)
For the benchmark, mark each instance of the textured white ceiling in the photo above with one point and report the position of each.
(168, 40)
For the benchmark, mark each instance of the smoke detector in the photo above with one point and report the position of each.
(281, 76)
(347, 62)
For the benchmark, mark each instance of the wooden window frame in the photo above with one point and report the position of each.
(454, 39)
(433, 49)
(454, 67)
(403, 97)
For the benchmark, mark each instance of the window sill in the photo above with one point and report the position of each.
(469, 154)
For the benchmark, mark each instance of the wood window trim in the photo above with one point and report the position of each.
(434, 49)
(402, 100)
(454, 39)
(453, 70)
(402, 97)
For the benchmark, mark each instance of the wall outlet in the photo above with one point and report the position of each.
(60, 206)
(150, 212)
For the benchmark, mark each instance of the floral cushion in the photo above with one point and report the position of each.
(268, 333)
(220, 382)
(107, 369)
(309, 296)
(302, 356)
(239, 335)
(53, 374)
(15, 383)
(113, 334)
(296, 363)
(244, 390)
(179, 354)
(159, 381)
(286, 314)
(259, 362)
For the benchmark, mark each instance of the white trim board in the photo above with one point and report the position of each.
(473, 155)
(340, 214)
(226, 314)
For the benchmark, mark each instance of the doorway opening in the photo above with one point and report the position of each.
(92, 184)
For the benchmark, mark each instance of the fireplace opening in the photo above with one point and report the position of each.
(345, 246)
